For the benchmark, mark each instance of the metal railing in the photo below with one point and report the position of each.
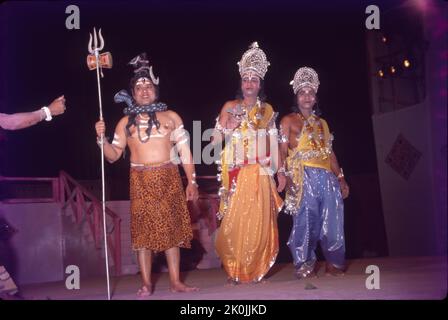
(87, 206)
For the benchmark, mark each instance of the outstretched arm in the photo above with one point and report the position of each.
(23, 120)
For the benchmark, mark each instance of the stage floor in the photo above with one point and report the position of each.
(400, 278)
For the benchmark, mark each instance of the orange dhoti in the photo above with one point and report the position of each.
(247, 240)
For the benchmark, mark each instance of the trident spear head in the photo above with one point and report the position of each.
(94, 59)
(97, 61)
(95, 42)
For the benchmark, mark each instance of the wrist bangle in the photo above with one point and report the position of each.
(48, 116)
(193, 180)
(341, 174)
(99, 141)
(221, 129)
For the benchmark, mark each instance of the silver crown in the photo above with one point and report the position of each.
(254, 60)
(305, 77)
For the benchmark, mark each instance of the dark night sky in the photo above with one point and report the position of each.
(194, 48)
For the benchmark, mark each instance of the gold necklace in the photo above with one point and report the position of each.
(253, 123)
(316, 139)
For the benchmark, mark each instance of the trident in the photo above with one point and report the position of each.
(97, 61)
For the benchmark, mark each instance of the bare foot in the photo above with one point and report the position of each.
(262, 281)
(144, 291)
(231, 283)
(181, 287)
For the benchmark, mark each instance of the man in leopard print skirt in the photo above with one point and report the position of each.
(160, 219)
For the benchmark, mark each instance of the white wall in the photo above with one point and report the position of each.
(407, 204)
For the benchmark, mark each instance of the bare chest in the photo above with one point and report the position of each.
(147, 129)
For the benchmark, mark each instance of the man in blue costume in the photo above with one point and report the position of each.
(316, 183)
